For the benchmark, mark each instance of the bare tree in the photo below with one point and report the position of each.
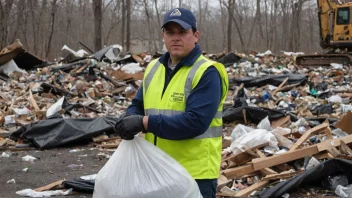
(123, 18)
(128, 22)
(98, 17)
(53, 12)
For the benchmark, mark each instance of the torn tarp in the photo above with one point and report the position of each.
(254, 114)
(112, 53)
(58, 132)
(313, 176)
(229, 59)
(275, 80)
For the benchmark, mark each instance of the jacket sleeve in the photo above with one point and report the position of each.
(137, 106)
(201, 106)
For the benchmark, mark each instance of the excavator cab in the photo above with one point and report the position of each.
(335, 24)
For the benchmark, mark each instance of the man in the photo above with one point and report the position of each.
(180, 102)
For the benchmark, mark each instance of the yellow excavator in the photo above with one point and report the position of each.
(335, 22)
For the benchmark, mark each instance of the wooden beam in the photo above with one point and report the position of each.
(283, 175)
(245, 153)
(307, 134)
(280, 86)
(238, 171)
(247, 191)
(265, 171)
(323, 155)
(283, 158)
(297, 154)
(280, 122)
(260, 163)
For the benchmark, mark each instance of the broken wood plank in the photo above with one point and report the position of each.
(344, 149)
(307, 134)
(32, 101)
(280, 122)
(50, 186)
(265, 171)
(238, 171)
(245, 153)
(247, 191)
(286, 157)
(280, 86)
(283, 175)
(328, 133)
(323, 155)
(297, 154)
(222, 181)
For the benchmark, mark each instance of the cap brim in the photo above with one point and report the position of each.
(183, 24)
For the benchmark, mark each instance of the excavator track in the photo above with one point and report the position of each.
(323, 59)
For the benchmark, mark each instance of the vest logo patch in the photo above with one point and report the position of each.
(177, 97)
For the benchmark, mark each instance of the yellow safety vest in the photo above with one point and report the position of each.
(201, 156)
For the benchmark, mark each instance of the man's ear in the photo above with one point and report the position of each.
(196, 36)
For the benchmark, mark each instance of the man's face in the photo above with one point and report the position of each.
(178, 41)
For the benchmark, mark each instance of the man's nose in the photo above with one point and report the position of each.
(176, 37)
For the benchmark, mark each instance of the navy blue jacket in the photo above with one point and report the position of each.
(201, 105)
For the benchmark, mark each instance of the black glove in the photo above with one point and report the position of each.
(129, 126)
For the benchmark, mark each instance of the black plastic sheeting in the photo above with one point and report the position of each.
(275, 80)
(57, 132)
(323, 109)
(229, 59)
(314, 176)
(80, 185)
(254, 114)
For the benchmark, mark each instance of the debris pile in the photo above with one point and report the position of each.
(282, 122)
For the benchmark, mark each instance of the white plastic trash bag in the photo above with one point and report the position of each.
(253, 139)
(240, 130)
(140, 169)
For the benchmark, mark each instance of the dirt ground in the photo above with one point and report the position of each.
(50, 166)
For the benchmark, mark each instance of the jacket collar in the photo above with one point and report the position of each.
(187, 61)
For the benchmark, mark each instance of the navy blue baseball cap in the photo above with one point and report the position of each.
(182, 16)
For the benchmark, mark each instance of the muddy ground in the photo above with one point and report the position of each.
(51, 165)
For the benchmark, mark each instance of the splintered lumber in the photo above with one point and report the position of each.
(286, 157)
(242, 155)
(280, 86)
(323, 155)
(258, 164)
(247, 191)
(265, 171)
(222, 181)
(297, 154)
(232, 173)
(32, 101)
(344, 149)
(280, 122)
(49, 186)
(307, 134)
(283, 175)
(328, 133)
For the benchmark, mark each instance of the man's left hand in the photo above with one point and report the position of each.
(129, 126)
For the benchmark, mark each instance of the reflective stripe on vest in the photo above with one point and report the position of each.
(209, 133)
(188, 86)
(150, 75)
